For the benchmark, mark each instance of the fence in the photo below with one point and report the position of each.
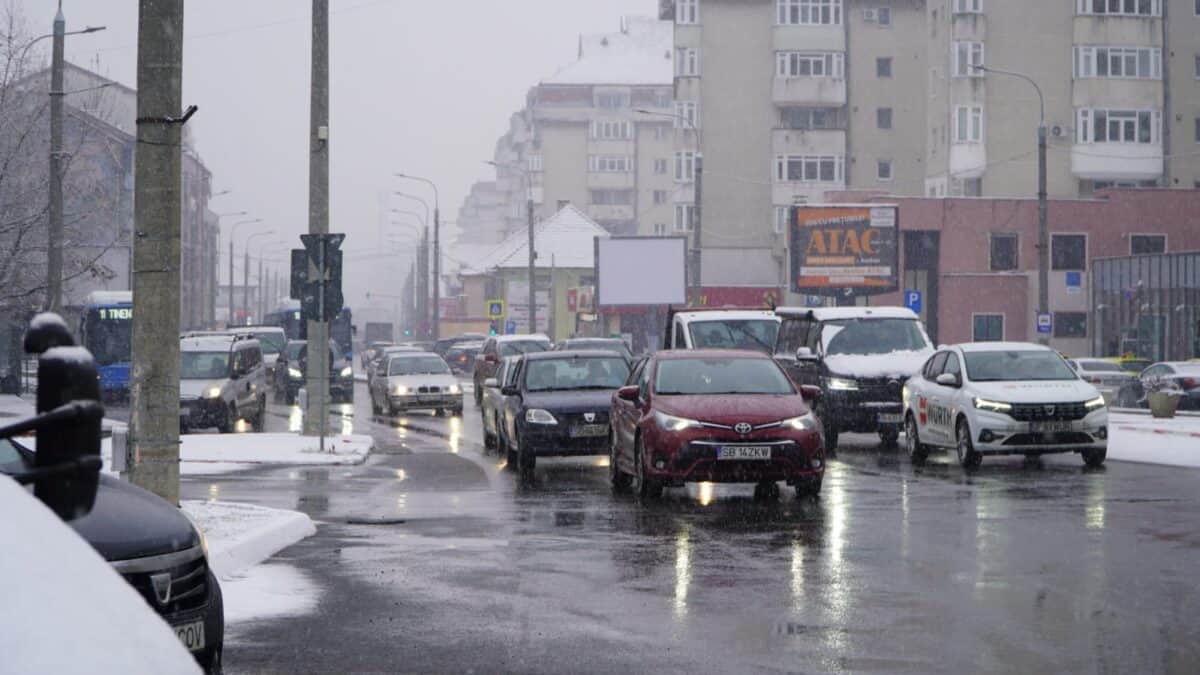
(1147, 305)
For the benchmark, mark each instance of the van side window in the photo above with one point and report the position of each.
(793, 335)
(644, 381)
(813, 339)
(635, 375)
(680, 339)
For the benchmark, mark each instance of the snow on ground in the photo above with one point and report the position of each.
(243, 535)
(268, 591)
(1141, 438)
(221, 453)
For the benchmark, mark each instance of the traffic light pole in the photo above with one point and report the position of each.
(316, 379)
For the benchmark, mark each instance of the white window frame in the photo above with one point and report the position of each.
(974, 54)
(1119, 8)
(534, 163)
(610, 164)
(685, 166)
(783, 164)
(660, 167)
(1162, 235)
(968, 124)
(661, 229)
(1003, 324)
(611, 191)
(687, 12)
(1086, 126)
(687, 62)
(685, 216)
(891, 170)
(1087, 60)
(968, 6)
(881, 12)
(661, 197)
(687, 115)
(782, 218)
(788, 64)
(612, 130)
(808, 12)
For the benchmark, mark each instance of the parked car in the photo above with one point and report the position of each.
(498, 347)
(859, 357)
(615, 345)
(1101, 373)
(1133, 365)
(557, 405)
(380, 359)
(1181, 377)
(726, 416)
(443, 345)
(1003, 398)
(370, 351)
(461, 357)
(721, 329)
(493, 405)
(416, 381)
(222, 379)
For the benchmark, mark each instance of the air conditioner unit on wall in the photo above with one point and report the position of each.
(870, 15)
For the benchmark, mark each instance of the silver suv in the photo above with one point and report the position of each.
(222, 379)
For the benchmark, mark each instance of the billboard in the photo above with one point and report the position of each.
(641, 271)
(844, 250)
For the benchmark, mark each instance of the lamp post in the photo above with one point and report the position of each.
(273, 246)
(698, 202)
(246, 268)
(232, 235)
(437, 252)
(423, 265)
(524, 171)
(1043, 226)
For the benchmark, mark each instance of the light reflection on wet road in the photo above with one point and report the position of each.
(1021, 567)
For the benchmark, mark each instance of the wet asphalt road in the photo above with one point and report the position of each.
(431, 557)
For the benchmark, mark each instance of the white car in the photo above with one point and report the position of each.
(415, 381)
(1003, 398)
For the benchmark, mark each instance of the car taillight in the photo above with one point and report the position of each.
(1092, 378)
(1188, 382)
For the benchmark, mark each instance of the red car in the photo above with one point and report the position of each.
(724, 416)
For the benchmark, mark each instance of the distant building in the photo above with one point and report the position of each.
(479, 217)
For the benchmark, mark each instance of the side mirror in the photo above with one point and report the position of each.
(490, 382)
(510, 391)
(630, 393)
(491, 358)
(810, 392)
(948, 380)
(805, 354)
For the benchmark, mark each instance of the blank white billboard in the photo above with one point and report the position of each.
(641, 271)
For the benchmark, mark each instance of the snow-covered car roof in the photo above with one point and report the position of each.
(835, 313)
(411, 355)
(726, 314)
(207, 343)
(536, 337)
(1002, 347)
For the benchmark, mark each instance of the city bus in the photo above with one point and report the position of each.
(288, 317)
(106, 330)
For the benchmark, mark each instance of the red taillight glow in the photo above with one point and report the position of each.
(1188, 382)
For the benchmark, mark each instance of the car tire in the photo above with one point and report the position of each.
(510, 457)
(260, 420)
(968, 457)
(619, 480)
(766, 491)
(1094, 459)
(226, 425)
(808, 487)
(289, 398)
(213, 663)
(375, 409)
(647, 488)
(478, 395)
(526, 461)
(889, 436)
(918, 452)
(829, 431)
(456, 412)
(490, 441)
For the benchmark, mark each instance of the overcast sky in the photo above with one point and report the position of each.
(418, 86)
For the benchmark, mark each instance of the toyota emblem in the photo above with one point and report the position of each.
(1049, 410)
(743, 428)
(589, 417)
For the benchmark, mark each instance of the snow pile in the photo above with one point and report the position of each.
(219, 453)
(243, 535)
(65, 610)
(894, 364)
(1138, 438)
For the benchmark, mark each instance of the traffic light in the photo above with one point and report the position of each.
(407, 332)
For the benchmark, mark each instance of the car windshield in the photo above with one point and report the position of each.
(756, 334)
(272, 343)
(1017, 366)
(522, 347)
(1099, 366)
(873, 336)
(1135, 365)
(203, 365)
(294, 349)
(721, 376)
(617, 346)
(576, 373)
(418, 365)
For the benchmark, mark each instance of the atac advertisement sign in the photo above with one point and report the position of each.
(844, 250)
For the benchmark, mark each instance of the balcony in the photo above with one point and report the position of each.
(1117, 161)
(808, 142)
(809, 91)
(968, 160)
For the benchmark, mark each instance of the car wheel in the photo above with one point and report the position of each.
(478, 394)
(967, 455)
(213, 662)
(490, 442)
(647, 488)
(375, 409)
(765, 491)
(808, 487)
(290, 398)
(510, 456)
(1094, 458)
(226, 425)
(619, 480)
(526, 460)
(829, 431)
(260, 420)
(918, 452)
(888, 436)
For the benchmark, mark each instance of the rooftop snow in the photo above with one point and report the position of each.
(639, 54)
(562, 240)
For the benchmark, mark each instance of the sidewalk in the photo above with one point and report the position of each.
(1141, 438)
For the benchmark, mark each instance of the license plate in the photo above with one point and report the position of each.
(743, 452)
(1049, 427)
(889, 418)
(191, 635)
(589, 431)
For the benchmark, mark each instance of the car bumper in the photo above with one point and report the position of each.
(425, 401)
(202, 412)
(554, 441)
(997, 434)
(855, 413)
(693, 456)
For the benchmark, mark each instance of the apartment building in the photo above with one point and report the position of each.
(479, 217)
(597, 135)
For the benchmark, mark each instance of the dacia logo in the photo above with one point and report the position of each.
(162, 587)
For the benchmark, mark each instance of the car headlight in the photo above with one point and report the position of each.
(539, 416)
(295, 373)
(842, 384)
(400, 390)
(806, 422)
(212, 392)
(992, 406)
(455, 389)
(673, 423)
(1095, 403)
(347, 371)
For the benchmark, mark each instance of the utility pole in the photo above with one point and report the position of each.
(317, 372)
(697, 226)
(158, 182)
(246, 279)
(54, 252)
(532, 260)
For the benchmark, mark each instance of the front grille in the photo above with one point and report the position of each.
(1048, 412)
(429, 389)
(578, 418)
(1061, 438)
(188, 589)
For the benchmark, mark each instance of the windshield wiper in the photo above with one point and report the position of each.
(752, 336)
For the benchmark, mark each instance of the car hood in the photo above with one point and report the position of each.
(577, 401)
(1056, 391)
(270, 359)
(731, 409)
(196, 388)
(422, 380)
(129, 522)
(895, 364)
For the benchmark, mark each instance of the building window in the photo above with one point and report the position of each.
(685, 215)
(1147, 244)
(685, 167)
(972, 187)
(687, 11)
(1118, 62)
(1070, 324)
(661, 229)
(968, 6)
(811, 118)
(685, 115)
(660, 167)
(1004, 254)
(809, 12)
(1119, 126)
(883, 118)
(687, 62)
(612, 131)
(987, 328)
(809, 168)
(884, 16)
(610, 164)
(612, 197)
(810, 64)
(1197, 122)
(968, 124)
(534, 163)
(967, 54)
(660, 196)
(1068, 252)
(783, 215)
(1197, 66)
(610, 100)
(883, 66)
(883, 170)
(1121, 7)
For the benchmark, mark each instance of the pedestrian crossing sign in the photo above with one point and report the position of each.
(495, 309)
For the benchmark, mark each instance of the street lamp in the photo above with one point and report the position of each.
(698, 196)
(246, 268)
(437, 252)
(268, 247)
(1043, 227)
(524, 171)
(423, 255)
(232, 236)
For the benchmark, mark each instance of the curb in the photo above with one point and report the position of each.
(1161, 432)
(228, 559)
